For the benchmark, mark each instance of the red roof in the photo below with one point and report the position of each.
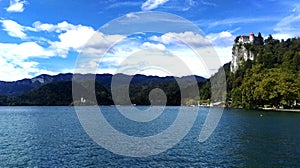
(244, 36)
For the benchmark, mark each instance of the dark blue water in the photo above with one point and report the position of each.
(53, 137)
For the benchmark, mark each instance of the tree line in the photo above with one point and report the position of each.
(93, 93)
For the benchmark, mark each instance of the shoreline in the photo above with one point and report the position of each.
(283, 110)
(263, 109)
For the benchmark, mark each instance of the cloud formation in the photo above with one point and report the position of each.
(13, 28)
(220, 42)
(17, 57)
(289, 26)
(188, 37)
(152, 4)
(58, 28)
(238, 20)
(27, 50)
(16, 60)
(221, 39)
(16, 6)
(148, 45)
(184, 45)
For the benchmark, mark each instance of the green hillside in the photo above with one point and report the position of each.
(271, 79)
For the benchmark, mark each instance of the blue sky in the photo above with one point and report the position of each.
(47, 37)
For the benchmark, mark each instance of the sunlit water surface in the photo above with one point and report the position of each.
(53, 137)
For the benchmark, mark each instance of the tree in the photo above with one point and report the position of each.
(269, 39)
(260, 39)
(236, 95)
(236, 40)
(249, 84)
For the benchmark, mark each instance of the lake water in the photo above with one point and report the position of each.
(54, 137)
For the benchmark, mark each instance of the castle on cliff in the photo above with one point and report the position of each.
(240, 52)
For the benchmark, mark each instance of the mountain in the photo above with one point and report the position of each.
(17, 88)
(60, 94)
(57, 90)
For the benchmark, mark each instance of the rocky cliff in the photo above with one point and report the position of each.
(240, 53)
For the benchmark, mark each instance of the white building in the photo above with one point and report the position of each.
(247, 39)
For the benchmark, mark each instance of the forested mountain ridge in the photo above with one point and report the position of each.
(57, 90)
(25, 85)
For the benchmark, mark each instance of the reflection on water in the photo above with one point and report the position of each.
(53, 136)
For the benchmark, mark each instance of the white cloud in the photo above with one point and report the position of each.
(202, 60)
(148, 45)
(189, 38)
(220, 42)
(58, 28)
(85, 40)
(78, 38)
(224, 54)
(131, 15)
(63, 26)
(11, 71)
(74, 38)
(208, 3)
(191, 2)
(280, 36)
(189, 5)
(289, 26)
(15, 64)
(99, 45)
(38, 26)
(27, 50)
(123, 4)
(16, 71)
(17, 57)
(152, 4)
(221, 39)
(13, 28)
(16, 6)
(238, 20)
(104, 41)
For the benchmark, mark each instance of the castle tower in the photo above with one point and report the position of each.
(251, 37)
